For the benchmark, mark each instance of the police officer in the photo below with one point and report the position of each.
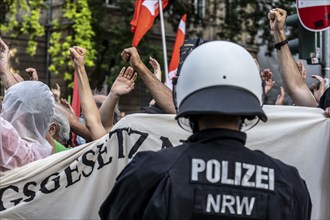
(213, 175)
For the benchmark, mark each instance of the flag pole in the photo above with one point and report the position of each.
(163, 37)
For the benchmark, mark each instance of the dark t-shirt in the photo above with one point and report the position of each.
(152, 109)
(325, 99)
(212, 176)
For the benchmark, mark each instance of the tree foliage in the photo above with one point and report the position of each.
(77, 19)
(251, 17)
(238, 19)
(23, 18)
(86, 23)
(89, 24)
(113, 35)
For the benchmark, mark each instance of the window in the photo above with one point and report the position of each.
(111, 2)
(199, 8)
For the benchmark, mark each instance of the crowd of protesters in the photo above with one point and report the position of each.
(36, 121)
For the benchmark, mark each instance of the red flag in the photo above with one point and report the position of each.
(75, 105)
(135, 19)
(145, 13)
(75, 97)
(176, 51)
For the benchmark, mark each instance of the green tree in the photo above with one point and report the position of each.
(239, 16)
(250, 17)
(88, 23)
(78, 19)
(23, 17)
(113, 35)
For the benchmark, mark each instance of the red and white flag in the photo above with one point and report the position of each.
(176, 51)
(145, 13)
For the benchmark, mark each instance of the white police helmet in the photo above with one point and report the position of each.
(219, 77)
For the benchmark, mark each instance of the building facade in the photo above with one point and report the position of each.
(211, 15)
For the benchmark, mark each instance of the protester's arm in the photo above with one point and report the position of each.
(75, 125)
(5, 75)
(88, 105)
(123, 85)
(79, 128)
(161, 93)
(32, 73)
(327, 112)
(318, 92)
(292, 80)
(281, 97)
(18, 77)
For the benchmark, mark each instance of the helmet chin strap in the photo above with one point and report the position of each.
(193, 122)
(174, 82)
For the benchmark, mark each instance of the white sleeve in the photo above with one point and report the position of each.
(15, 151)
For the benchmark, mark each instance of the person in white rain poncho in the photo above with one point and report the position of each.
(27, 110)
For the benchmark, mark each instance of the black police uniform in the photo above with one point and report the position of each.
(212, 176)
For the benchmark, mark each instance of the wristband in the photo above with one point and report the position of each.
(280, 44)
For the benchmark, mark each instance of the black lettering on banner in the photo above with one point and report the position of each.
(68, 171)
(138, 143)
(73, 172)
(2, 190)
(120, 138)
(29, 193)
(89, 163)
(56, 181)
(100, 158)
(165, 142)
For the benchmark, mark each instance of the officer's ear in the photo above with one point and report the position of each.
(52, 129)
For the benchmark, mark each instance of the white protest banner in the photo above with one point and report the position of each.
(73, 184)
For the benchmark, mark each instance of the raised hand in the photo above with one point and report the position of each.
(302, 69)
(77, 55)
(155, 65)
(67, 106)
(32, 73)
(132, 56)
(318, 92)
(267, 76)
(4, 57)
(6, 77)
(277, 18)
(125, 82)
(57, 93)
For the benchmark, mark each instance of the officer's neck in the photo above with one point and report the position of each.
(219, 121)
